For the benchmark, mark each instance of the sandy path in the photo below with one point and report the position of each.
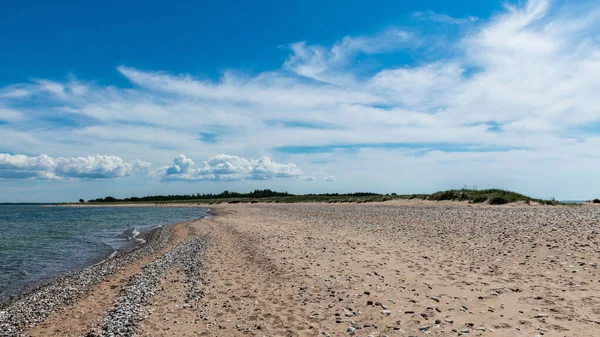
(233, 259)
(88, 312)
(399, 268)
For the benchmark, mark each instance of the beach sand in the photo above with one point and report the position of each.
(398, 268)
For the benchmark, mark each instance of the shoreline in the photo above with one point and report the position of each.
(35, 304)
(169, 205)
(119, 241)
(366, 269)
(139, 241)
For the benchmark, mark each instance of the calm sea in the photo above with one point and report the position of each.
(41, 242)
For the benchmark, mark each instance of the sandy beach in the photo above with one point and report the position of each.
(405, 268)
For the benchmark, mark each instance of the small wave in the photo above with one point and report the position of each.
(135, 233)
(112, 255)
(132, 234)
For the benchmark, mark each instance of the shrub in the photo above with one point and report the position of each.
(479, 199)
(596, 201)
(445, 195)
(498, 200)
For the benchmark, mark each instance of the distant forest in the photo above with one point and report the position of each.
(257, 194)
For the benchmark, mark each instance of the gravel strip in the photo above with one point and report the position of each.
(123, 318)
(33, 307)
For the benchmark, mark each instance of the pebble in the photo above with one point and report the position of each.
(128, 311)
(33, 307)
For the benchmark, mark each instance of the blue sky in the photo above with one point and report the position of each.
(304, 96)
(202, 38)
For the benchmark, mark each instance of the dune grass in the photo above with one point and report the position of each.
(491, 196)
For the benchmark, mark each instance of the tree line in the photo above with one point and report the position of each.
(223, 195)
(256, 194)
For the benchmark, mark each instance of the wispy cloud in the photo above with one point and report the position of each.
(443, 18)
(524, 81)
(328, 64)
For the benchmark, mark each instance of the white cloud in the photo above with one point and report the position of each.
(55, 88)
(10, 114)
(422, 87)
(229, 168)
(318, 176)
(181, 165)
(328, 65)
(13, 92)
(526, 78)
(45, 167)
(443, 18)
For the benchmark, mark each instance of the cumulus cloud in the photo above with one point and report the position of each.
(181, 165)
(319, 176)
(45, 167)
(229, 168)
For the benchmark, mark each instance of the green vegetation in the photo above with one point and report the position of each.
(596, 201)
(195, 197)
(491, 196)
(252, 197)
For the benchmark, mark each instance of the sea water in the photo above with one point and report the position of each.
(38, 243)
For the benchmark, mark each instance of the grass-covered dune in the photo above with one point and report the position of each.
(489, 196)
